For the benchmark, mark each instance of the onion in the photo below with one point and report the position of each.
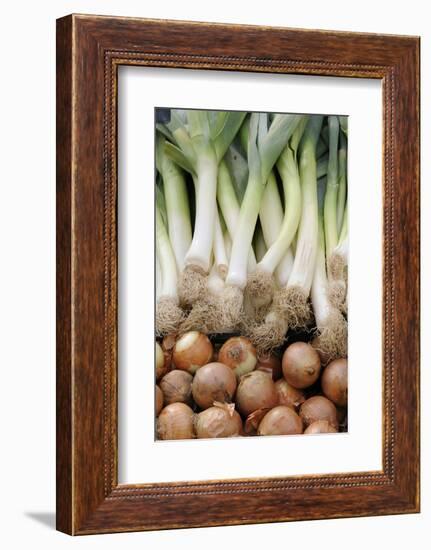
(334, 382)
(159, 400)
(239, 354)
(318, 408)
(213, 382)
(288, 395)
(301, 365)
(191, 351)
(162, 366)
(221, 420)
(271, 364)
(256, 390)
(280, 420)
(177, 387)
(320, 427)
(175, 422)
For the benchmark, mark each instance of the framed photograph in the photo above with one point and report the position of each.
(237, 274)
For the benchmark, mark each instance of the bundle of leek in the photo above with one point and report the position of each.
(242, 244)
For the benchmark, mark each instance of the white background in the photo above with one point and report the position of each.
(27, 313)
(143, 460)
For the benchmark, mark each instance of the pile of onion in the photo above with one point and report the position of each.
(245, 394)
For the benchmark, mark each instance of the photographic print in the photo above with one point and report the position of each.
(237, 215)
(251, 248)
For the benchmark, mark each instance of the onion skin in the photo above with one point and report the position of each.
(288, 395)
(334, 382)
(162, 365)
(177, 387)
(280, 420)
(253, 420)
(176, 421)
(192, 351)
(318, 408)
(168, 343)
(320, 427)
(239, 354)
(159, 400)
(218, 422)
(301, 365)
(271, 364)
(213, 382)
(256, 390)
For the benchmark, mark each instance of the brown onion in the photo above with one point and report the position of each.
(320, 427)
(159, 400)
(176, 422)
(221, 420)
(334, 382)
(256, 390)
(288, 395)
(239, 354)
(162, 366)
(280, 420)
(192, 351)
(301, 365)
(318, 408)
(271, 364)
(213, 382)
(177, 387)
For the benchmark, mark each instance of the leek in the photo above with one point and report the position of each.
(330, 323)
(279, 257)
(337, 268)
(342, 180)
(330, 205)
(264, 147)
(168, 314)
(199, 146)
(176, 203)
(290, 305)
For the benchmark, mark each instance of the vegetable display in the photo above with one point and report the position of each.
(251, 233)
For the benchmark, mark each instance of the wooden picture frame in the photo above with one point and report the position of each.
(89, 51)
